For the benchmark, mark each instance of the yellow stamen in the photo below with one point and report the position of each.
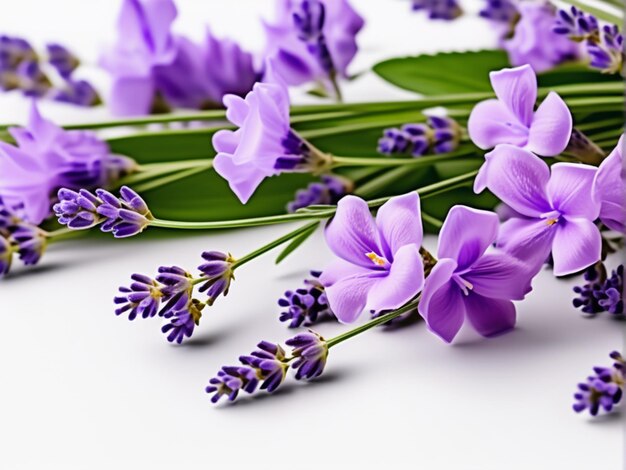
(376, 259)
(551, 222)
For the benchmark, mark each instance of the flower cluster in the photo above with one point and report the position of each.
(123, 216)
(49, 75)
(501, 11)
(438, 9)
(439, 135)
(599, 293)
(171, 294)
(268, 366)
(153, 69)
(306, 305)
(602, 390)
(328, 191)
(47, 158)
(604, 44)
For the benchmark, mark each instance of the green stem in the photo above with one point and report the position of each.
(273, 244)
(435, 222)
(151, 170)
(395, 162)
(371, 324)
(179, 175)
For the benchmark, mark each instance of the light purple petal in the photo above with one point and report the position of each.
(347, 297)
(236, 109)
(492, 123)
(399, 223)
(466, 234)
(226, 141)
(441, 304)
(43, 130)
(500, 276)
(577, 245)
(610, 189)
(570, 190)
(489, 316)
(551, 127)
(517, 89)
(340, 269)
(352, 234)
(131, 96)
(404, 281)
(242, 179)
(519, 179)
(529, 240)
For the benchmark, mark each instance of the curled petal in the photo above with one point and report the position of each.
(570, 190)
(399, 222)
(577, 245)
(236, 109)
(242, 179)
(492, 123)
(489, 316)
(517, 89)
(551, 127)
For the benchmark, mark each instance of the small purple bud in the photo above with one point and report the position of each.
(311, 351)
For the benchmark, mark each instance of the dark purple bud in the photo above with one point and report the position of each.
(311, 351)
(270, 364)
(306, 306)
(142, 298)
(62, 59)
(439, 9)
(218, 272)
(328, 191)
(6, 255)
(230, 380)
(30, 242)
(179, 323)
(603, 390)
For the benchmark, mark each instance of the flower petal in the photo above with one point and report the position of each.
(351, 234)
(491, 123)
(131, 95)
(340, 269)
(404, 281)
(517, 89)
(489, 316)
(551, 127)
(499, 276)
(570, 190)
(441, 304)
(529, 240)
(577, 245)
(347, 297)
(519, 179)
(466, 234)
(399, 223)
(610, 189)
(236, 109)
(242, 179)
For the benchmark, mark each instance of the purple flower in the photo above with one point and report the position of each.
(230, 380)
(610, 295)
(218, 271)
(439, 9)
(586, 299)
(510, 118)
(604, 389)
(328, 191)
(142, 298)
(264, 145)
(607, 54)
(534, 41)
(558, 208)
(306, 306)
(576, 24)
(62, 59)
(125, 216)
(79, 92)
(610, 189)
(469, 283)
(379, 265)
(311, 352)
(144, 43)
(295, 45)
(269, 363)
(6, 255)
(30, 242)
(181, 319)
(440, 135)
(502, 11)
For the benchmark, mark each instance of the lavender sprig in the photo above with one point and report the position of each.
(602, 390)
(601, 294)
(307, 305)
(439, 135)
(439, 9)
(502, 11)
(328, 191)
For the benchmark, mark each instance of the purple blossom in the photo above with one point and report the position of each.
(30, 242)
(180, 320)
(379, 265)
(6, 255)
(62, 59)
(440, 135)
(306, 306)
(218, 271)
(607, 53)
(439, 9)
(610, 295)
(610, 189)
(311, 352)
(501, 11)
(270, 364)
(576, 24)
(603, 390)
(534, 41)
(510, 118)
(143, 298)
(245, 161)
(469, 283)
(328, 191)
(294, 44)
(586, 299)
(230, 380)
(558, 208)
(79, 92)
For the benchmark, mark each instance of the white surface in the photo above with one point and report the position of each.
(81, 388)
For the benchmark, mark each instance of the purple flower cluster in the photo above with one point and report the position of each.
(602, 390)
(171, 295)
(599, 293)
(501, 11)
(604, 45)
(438, 9)
(125, 216)
(306, 305)
(47, 158)
(21, 68)
(268, 366)
(154, 69)
(328, 191)
(439, 135)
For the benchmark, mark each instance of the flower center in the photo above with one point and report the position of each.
(377, 260)
(465, 286)
(551, 217)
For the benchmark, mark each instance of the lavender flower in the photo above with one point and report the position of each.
(576, 24)
(79, 92)
(62, 59)
(440, 135)
(558, 208)
(30, 242)
(270, 364)
(312, 40)
(510, 119)
(604, 389)
(501, 11)
(142, 298)
(180, 320)
(535, 43)
(245, 163)
(230, 380)
(610, 189)
(439, 9)
(6, 255)
(607, 54)
(379, 265)
(469, 283)
(311, 352)
(125, 216)
(587, 300)
(610, 295)
(305, 306)
(218, 271)
(328, 191)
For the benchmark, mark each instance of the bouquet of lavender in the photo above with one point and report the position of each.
(512, 156)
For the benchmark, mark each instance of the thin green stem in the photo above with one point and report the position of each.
(372, 323)
(59, 233)
(179, 175)
(435, 222)
(395, 162)
(151, 170)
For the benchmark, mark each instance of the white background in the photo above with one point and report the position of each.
(83, 389)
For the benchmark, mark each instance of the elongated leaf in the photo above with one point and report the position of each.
(296, 242)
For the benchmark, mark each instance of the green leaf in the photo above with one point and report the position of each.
(449, 72)
(296, 242)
